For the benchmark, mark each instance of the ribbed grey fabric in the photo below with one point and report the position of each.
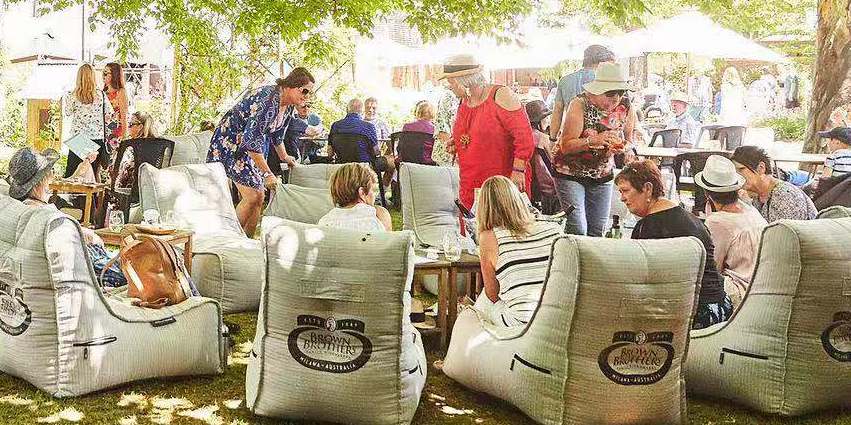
(836, 211)
(428, 201)
(226, 265)
(314, 175)
(334, 340)
(301, 204)
(4, 187)
(190, 148)
(605, 345)
(787, 349)
(62, 333)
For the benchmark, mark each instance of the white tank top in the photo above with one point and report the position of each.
(359, 217)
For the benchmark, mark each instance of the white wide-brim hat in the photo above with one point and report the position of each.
(459, 66)
(681, 97)
(719, 175)
(609, 76)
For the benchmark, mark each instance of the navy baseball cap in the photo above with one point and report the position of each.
(842, 134)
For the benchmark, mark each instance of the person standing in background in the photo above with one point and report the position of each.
(113, 86)
(370, 115)
(88, 110)
(447, 108)
(570, 85)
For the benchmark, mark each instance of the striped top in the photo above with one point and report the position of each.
(520, 270)
(839, 161)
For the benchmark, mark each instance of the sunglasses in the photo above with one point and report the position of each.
(306, 92)
(133, 124)
(615, 93)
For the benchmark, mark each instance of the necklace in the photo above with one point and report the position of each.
(480, 99)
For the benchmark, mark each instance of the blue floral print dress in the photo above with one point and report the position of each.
(250, 126)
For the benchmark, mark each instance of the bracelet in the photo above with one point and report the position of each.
(267, 174)
(519, 170)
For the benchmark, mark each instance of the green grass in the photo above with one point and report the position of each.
(440, 391)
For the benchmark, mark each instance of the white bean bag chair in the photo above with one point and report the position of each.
(334, 340)
(62, 333)
(301, 204)
(4, 187)
(226, 265)
(428, 201)
(787, 349)
(836, 211)
(190, 148)
(313, 175)
(607, 342)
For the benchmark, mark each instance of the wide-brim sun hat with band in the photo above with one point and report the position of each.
(609, 76)
(537, 110)
(719, 175)
(27, 168)
(459, 66)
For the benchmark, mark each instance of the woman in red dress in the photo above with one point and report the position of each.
(492, 135)
(113, 86)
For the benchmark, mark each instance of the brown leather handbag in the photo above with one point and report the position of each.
(155, 272)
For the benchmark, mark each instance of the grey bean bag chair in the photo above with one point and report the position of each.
(605, 346)
(428, 201)
(190, 148)
(835, 211)
(226, 264)
(334, 340)
(313, 175)
(63, 334)
(787, 349)
(301, 204)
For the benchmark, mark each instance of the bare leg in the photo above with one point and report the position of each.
(248, 209)
(390, 171)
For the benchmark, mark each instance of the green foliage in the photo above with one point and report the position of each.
(12, 112)
(789, 128)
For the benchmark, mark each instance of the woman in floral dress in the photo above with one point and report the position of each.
(600, 123)
(243, 136)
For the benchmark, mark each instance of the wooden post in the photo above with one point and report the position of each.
(175, 88)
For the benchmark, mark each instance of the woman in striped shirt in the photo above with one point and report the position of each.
(514, 253)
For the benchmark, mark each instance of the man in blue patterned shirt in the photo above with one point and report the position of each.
(353, 123)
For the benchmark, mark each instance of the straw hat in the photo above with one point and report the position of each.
(681, 97)
(719, 175)
(459, 66)
(609, 76)
(27, 168)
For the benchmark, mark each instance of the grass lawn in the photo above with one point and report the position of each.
(220, 400)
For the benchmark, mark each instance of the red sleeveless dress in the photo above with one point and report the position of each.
(488, 138)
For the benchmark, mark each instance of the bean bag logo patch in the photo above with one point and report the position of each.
(330, 345)
(637, 358)
(836, 338)
(15, 316)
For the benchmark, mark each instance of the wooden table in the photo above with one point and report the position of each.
(80, 188)
(179, 237)
(447, 276)
(661, 152)
(811, 160)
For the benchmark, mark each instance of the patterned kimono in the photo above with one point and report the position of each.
(250, 126)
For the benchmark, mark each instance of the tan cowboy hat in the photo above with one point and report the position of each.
(609, 76)
(681, 97)
(459, 66)
(719, 175)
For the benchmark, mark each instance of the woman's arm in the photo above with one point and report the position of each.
(384, 217)
(571, 140)
(123, 107)
(281, 150)
(488, 254)
(514, 119)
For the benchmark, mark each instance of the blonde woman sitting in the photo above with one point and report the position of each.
(514, 253)
(353, 192)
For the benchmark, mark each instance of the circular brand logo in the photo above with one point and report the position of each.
(836, 338)
(637, 358)
(15, 316)
(329, 345)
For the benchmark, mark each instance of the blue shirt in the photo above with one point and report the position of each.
(313, 120)
(354, 124)
(570, 85)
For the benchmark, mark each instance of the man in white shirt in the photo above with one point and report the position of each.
(682, 120)
(838, 161)
(370, 106)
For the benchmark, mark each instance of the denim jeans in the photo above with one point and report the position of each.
(592, 202)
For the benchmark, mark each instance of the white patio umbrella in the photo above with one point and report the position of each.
(694, 33)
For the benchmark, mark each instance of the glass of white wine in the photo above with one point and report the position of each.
(452, 245)
(116, 221)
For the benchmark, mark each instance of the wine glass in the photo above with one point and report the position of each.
(116, 221)
(452, 245)
(168, 221)
(151, 217)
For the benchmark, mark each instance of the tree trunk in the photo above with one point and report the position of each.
(833, 65)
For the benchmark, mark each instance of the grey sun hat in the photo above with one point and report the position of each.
(27, 168)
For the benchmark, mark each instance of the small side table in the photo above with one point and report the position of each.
(179, 237)
(79, 188)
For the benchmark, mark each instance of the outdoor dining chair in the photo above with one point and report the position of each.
(152, 150)
(346, 150)
(731, 137)
(411, 147)
(670, 138)
(711, 130)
